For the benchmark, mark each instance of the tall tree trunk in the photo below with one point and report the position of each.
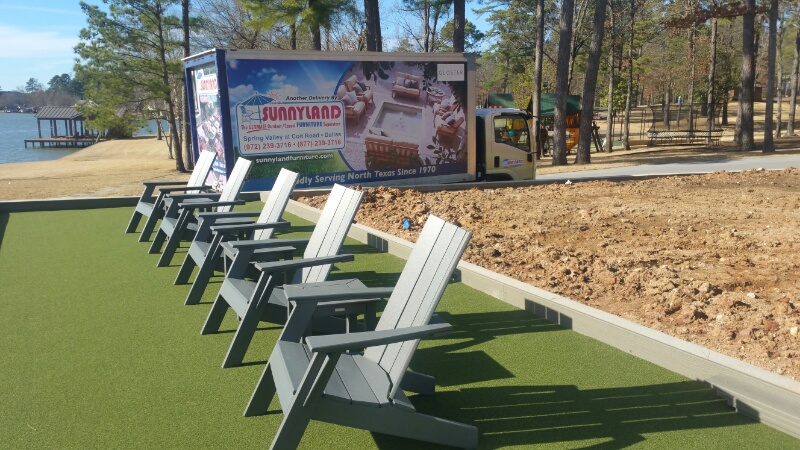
(187, 127)
(779, 67)
(626, 129)
(316, 28)
(692, 54)
(712, 73)
(562, 67)
(373, 17)
(459, 21)
(537, 78)
(584, 152)
(426, 44)
(610, 112)
(793, 97)
(293, 36)
(747, 96)
(769, 124)
(175, 138)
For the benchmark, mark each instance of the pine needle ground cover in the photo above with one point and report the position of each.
(98, 351)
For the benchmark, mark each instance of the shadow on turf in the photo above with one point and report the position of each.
(618, 417)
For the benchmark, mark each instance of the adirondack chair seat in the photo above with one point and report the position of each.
(331, 316)
(203, 249)
(186, 225)
(357, 384)
(251, 301)
(351, 390)
(152, 207)
(320, 377)
(180, 217)
(240, 256)
(218, 228)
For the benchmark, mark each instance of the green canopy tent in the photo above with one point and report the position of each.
(500, 101)
(548, 101)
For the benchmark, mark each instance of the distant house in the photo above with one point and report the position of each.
(758, 93)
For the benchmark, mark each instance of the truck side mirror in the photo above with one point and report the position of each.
(530, 157)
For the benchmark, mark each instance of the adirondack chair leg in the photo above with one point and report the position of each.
(198, 289)
(242, 338)
(200, 283)
(294, 424)
(158, 241)
(204, 273)
(215, 316)
(186, 270)
(262, 395)
(149, 226)
(299, 413)
(173, 243)
(134, 222)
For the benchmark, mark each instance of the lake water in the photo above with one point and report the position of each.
(15, 128)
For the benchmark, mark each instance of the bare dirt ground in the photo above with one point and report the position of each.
(712, 259)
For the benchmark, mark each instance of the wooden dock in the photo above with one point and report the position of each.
(60, 142)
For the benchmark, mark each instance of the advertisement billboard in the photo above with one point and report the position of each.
(208, 120)
(350, 118)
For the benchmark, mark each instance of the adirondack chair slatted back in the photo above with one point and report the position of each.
(330, 231)
(276, 202)
(417, 292)
(234, 183)
(201, 168)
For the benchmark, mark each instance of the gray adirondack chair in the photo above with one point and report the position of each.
(207, 254)
(263, 300)
(152, 207)
(180, 220)
(322, 379)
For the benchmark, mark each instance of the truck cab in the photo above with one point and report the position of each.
(503, 142)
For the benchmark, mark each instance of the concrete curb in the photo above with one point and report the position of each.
(58, 204)
(766, 397)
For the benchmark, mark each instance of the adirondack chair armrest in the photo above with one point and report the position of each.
(208, 220)
(299, 293)
(212, 216)
(163, 183)
(210, 204)
(168, 190)
(338, 343)
(207, 196)
(294, 264)
(267, 243)
(232, 229)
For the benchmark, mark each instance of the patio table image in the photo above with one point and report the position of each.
(100, 352)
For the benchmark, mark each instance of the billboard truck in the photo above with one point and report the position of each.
(351, 118)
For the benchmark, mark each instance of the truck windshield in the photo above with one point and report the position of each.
(512, 130)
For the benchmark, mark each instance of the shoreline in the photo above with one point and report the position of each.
(117, 167)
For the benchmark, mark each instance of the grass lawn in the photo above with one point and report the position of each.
(98, 351)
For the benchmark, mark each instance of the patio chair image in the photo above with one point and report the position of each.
(207, 254)
(321, 378)
(180, 222)
(152, 207)
(264, 300)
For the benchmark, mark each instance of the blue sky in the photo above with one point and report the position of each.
(37, 38)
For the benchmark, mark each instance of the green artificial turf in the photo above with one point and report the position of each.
(98, 351)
